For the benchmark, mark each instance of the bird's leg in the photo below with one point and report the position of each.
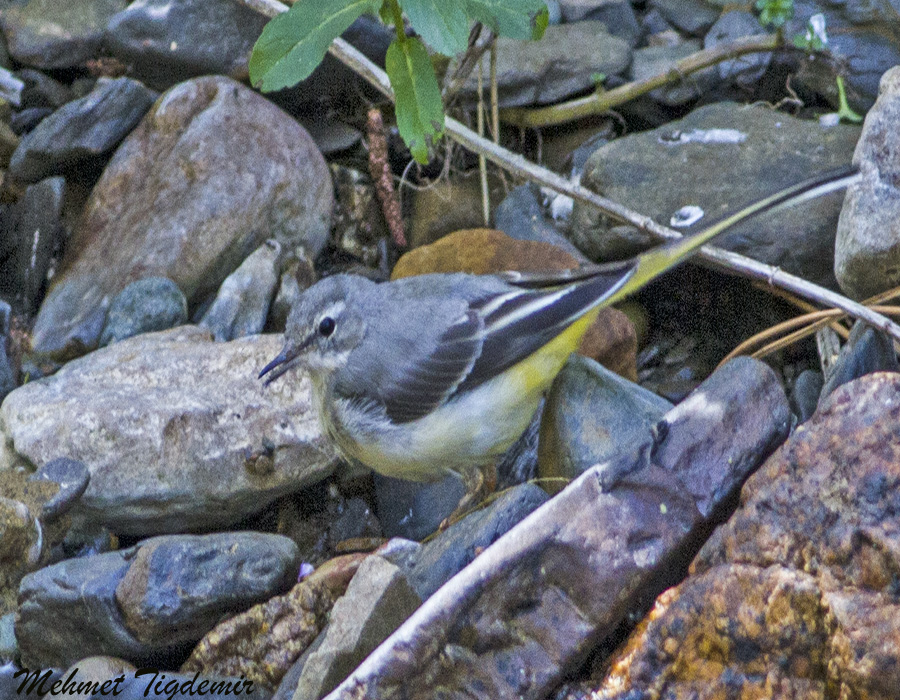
(479, 483)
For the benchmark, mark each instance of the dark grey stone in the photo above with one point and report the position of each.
(867, 350)
(805, 394)
(52, 34)
(41, 90)
(744, 70)
(68, 611)
(179, 587)
(168, 41)
(71, 475)
(722, 157)
(655, 60)
(82, 130)
(617, 15)
(25, 120)
(520, 215)
(592, 415)
(413, 510)
(35, 228)
(444, 556)
(150, 304)
(694, 17)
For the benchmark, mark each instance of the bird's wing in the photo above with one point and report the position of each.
(496, 332)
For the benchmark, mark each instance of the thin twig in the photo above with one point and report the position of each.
(518, 165)
(482, 162)
(602, 101)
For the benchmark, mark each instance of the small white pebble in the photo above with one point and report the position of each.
(828, 120)
(686, 216)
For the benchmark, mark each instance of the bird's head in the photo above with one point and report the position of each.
(325, 325)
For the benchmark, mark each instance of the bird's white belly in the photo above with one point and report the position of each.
(467, 432)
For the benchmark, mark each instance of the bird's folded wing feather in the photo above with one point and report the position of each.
(496, 332)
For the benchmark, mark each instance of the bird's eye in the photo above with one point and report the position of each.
(326, 326)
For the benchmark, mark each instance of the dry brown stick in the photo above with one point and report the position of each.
(801, 333)
(603, 101)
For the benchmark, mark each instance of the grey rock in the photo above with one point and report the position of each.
(242, 304)
(592, 415)
(7, 370)
(51, 34)
(654, 60)
(542, 595)
(520, 215)
(211, 172)
(694, 17)
(167, 41)
(81, 130)
(805, 394)
(867, 251)
(36, 230)
(744, 70)
(721, 157)
(558, 66)
(867, 350)
(377, 601)
(437, 561)
(863, 36)
(213, 444)
(150, 304)
(617, 15)
(73, 478)
(177, 588)
(415, 510)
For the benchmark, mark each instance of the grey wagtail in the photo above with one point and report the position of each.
(425, 376)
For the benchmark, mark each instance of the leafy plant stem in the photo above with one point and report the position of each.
(603, 101)
(397, 14)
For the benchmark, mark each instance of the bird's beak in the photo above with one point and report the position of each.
(286, 359)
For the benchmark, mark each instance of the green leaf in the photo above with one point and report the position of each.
(420, 113)
(294, 43)
(517, 19)
(443, 24)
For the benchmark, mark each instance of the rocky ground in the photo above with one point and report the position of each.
(696, 530)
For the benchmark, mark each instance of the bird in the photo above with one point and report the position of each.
(439, 374)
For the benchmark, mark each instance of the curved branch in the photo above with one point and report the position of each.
(603, 101)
